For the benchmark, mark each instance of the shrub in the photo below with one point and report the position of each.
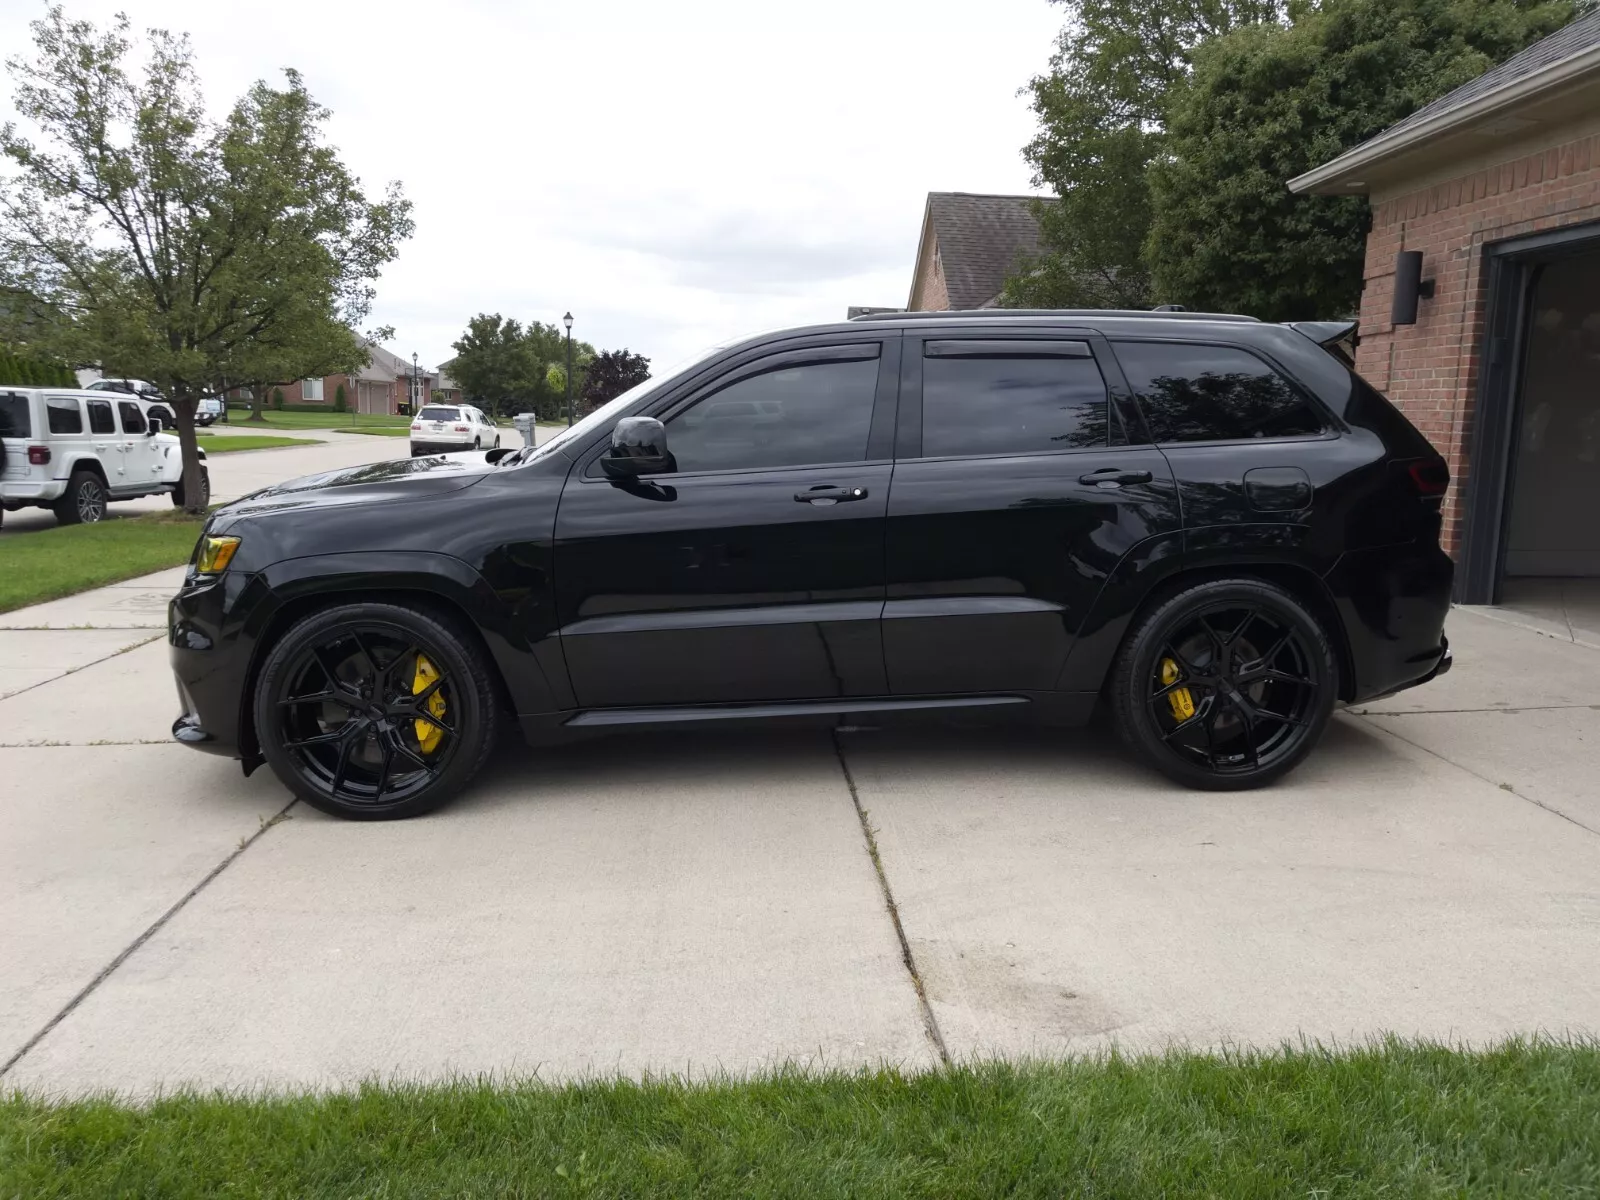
(277, 399)
(338, 399)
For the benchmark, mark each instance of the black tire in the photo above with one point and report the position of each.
(205, 491)
(84, 502)
(339, 750)
(1225, 685)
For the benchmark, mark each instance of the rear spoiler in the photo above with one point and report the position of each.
(1338, 338)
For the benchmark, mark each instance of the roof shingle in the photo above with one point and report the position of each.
(980, 239)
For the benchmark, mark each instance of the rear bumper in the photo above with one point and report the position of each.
(421, 446)
(1393, 601)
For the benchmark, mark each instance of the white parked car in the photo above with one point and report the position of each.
(77, 451)
(441, 428)
(133, 387)
(208, 410)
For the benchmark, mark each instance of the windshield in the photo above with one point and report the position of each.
(439, 414)
(608, 412)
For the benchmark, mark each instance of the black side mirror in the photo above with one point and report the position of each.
(153, 427)
(638, 447)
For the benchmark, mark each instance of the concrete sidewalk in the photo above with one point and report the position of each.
(707, 901)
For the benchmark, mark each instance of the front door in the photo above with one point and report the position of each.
(754, 571)
(1015, 494)
(138, 459)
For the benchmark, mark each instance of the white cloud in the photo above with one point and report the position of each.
(672, 174)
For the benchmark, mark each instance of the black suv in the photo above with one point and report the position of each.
(1207, 523)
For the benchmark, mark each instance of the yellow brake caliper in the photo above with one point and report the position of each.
(1180, 699)
(429, 735)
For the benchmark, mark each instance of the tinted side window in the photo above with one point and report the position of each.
(1012, 404)
(796, 416)
(132, 416)
(63, 414)
(14, 419)
(100, 417)
(1195, 393)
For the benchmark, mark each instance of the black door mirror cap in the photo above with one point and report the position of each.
(638, 447)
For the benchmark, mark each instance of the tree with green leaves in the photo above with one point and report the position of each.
(1101, 110)
(509, 367)
(1268, 103)
(144, 237)
(610, 374)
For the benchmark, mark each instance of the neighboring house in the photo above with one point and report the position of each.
(1497, 185)
(387, 384)
(970, 244)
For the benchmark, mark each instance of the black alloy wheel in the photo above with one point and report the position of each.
(1226, 685)
(375, 711)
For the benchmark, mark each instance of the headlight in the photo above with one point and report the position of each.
(215, 554)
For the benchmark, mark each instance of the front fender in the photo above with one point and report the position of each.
(534, 674)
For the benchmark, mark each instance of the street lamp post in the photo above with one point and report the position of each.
(567, 321)
(416, 393)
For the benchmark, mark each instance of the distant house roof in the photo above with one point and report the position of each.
(387, 366)
(979, 240)
(1556, 76)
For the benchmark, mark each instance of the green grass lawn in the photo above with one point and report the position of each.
(221, 443)
(1389, 1120)
(316, 420)
(49, 563)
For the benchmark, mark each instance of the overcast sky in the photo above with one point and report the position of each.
(675, 174)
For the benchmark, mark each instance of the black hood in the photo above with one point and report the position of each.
(397, 479)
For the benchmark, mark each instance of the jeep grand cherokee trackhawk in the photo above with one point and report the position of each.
(1208, 524)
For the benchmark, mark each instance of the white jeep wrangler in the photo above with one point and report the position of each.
(76, 451)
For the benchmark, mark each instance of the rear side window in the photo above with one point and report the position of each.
(100, 417)
(439, 414)
(1011, 400)
(14, 419)
(132, 416)
(1196, 393)
(64, 414)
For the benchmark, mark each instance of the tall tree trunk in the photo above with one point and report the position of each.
(189, 446)
(255, 405)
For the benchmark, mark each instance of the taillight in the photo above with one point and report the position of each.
(463, 429)
(1429, 477)
(39, 455)
(417, 428)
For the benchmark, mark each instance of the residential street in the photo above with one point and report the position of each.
(707, 901)
(240, 472)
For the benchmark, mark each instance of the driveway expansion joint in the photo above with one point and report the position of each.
(930, 1023)
(150, 931)
(1502, 785)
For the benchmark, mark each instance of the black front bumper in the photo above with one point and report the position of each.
(210, 649)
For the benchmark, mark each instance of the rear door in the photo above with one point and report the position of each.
(1015, 493)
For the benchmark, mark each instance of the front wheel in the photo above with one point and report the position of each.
(205, 491)
(1225, 685)
(375, 711)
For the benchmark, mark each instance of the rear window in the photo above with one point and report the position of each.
(14, 419)
(439, 414)
(64, 413)
(100, 417)
(1011, 402)
(1196, 393)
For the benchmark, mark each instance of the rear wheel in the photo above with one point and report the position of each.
(84, 502)
(1225, 685)
(375, 711)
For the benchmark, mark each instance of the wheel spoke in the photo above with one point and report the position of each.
(1219, 647)
(323, 697)
(343, 766)
(412, 756)
(321, 739)
(1198, 720)
(383, 771)
(329, 668)
(437, 723)
(1188, 668)
(1275, 676)
(378, 673)
(1249, 616)
(426, 694)
(1293, 722)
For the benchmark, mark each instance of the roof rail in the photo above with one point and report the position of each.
(969, 313)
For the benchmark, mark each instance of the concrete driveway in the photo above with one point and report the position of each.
(701, 901)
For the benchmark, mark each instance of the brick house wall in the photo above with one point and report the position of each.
(1430, 369)
(929, 287)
